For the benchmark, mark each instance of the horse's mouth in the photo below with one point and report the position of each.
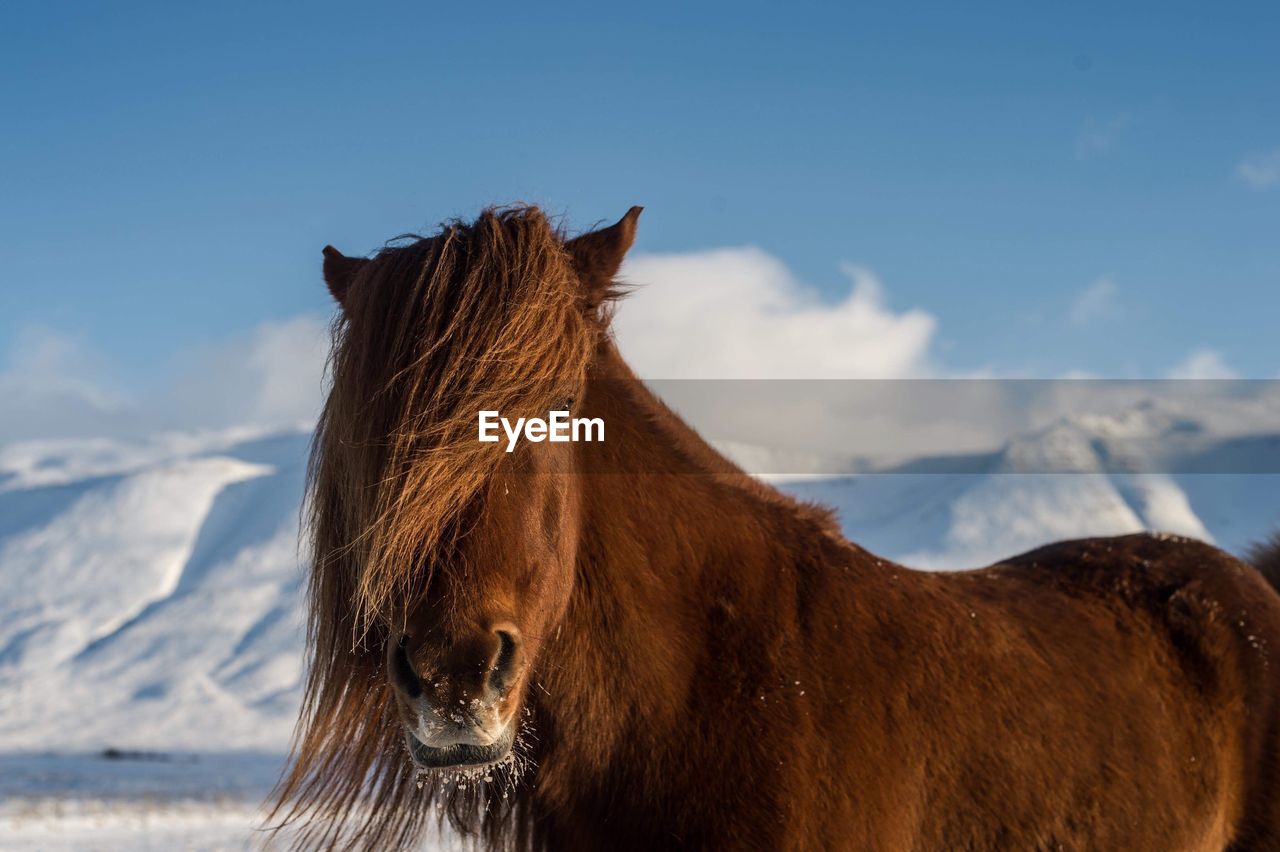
(460, 754)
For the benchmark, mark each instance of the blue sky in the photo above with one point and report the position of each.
(1060, 186)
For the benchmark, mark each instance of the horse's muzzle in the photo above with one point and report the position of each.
(454, 717)
(460, 754)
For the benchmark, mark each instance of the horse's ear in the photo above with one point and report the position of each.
(339, 270)
(597, 255)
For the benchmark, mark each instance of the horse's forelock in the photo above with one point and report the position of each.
(487, 315)
(483, 316)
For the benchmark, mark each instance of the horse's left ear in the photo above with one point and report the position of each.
(597, 255)
(339, 271)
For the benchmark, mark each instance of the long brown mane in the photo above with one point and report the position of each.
(482, 316)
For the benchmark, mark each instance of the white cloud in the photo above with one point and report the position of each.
(56, 386)
(740, 313)
(55, 362)
(730, 313)
(1260, 170)
(719, 314)
(270, 376)
(53, 382)
(1095, 302)
(1203, 364)
(1099, 136)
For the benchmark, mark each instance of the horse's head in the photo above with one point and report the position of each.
(443, 562)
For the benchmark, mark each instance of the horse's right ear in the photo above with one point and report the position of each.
(597, 255)
(339, 271)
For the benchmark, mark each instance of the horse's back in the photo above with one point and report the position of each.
(1219, 620)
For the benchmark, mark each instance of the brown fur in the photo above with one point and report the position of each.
(708, 664)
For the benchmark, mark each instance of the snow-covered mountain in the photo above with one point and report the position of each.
(1144, 468)
(152, 590)
(152, 593)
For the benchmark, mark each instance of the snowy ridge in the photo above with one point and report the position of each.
(1081, 476)
(156, 607)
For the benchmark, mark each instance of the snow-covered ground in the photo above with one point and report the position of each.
(132, 801)
(152, 594)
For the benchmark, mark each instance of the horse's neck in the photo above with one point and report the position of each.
(670, 508)
(669, 563)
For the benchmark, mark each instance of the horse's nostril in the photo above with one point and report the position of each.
(502, 669)
(403, 676)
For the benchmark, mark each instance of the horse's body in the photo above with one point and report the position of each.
(795, 692)
(725, 671)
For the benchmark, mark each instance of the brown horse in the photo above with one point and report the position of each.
(551, 655)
